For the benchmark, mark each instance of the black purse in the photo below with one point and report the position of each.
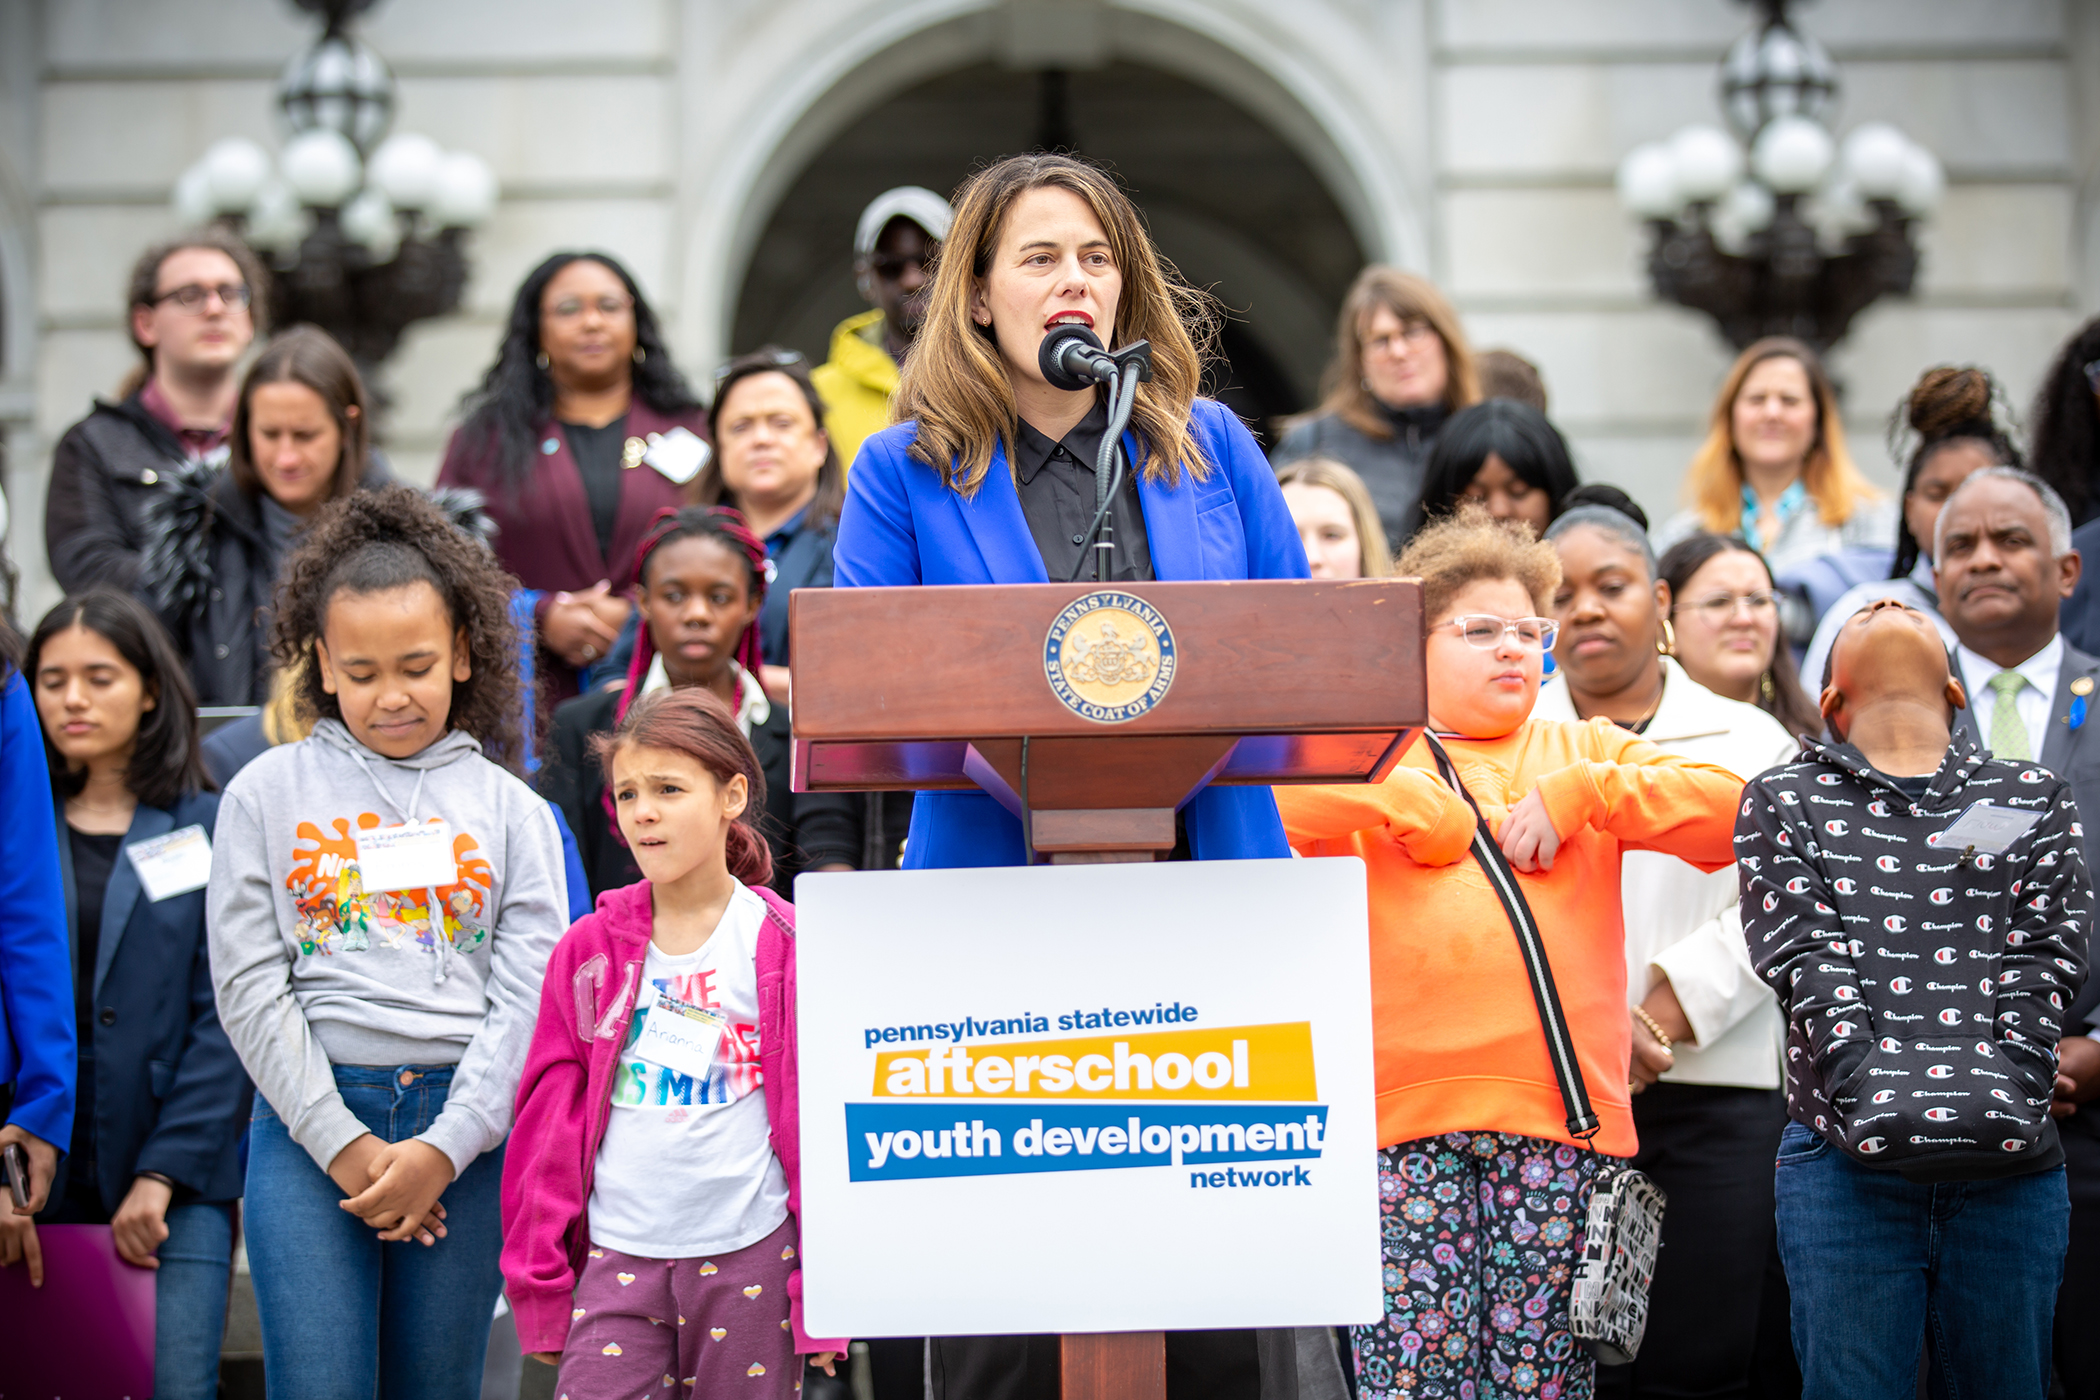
(1609, 1309)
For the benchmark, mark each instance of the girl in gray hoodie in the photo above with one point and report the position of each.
(383, 903)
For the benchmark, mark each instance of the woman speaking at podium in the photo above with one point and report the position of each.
(988, 477)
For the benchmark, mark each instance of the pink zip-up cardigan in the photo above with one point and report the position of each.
(565, 1100)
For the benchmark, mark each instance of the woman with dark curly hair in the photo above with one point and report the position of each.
(2066, 424)
(384, 899)
(581, 431)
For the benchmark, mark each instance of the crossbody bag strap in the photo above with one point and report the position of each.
(1583, 1121)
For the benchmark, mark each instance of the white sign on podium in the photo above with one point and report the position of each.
(1087, 1098)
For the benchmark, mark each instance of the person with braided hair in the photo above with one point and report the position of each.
(1952, 417)
(699, 578)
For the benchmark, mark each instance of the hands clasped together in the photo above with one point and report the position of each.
(394, 1187)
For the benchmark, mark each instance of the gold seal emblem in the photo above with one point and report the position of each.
(1109, 656)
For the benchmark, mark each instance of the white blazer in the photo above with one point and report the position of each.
(1682, 922)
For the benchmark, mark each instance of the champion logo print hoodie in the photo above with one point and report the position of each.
(1924, 988)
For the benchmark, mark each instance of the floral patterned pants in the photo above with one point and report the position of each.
(1482, 1232)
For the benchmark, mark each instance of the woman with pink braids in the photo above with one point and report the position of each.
(699, 580)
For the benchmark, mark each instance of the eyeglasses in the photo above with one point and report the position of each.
(609, 306)
(757, 361)
(1485, 631)
(1411, 336)
(192, 297)
(1717, 608)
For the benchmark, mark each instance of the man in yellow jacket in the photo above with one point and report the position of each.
(895, 241)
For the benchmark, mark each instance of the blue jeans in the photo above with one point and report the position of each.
(189, 1301)
(1874, 1261)
(346, 1316)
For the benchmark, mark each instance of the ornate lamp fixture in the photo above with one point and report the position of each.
(365, 231)
(1804, 232)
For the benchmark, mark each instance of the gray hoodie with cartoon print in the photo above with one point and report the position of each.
(313, 970)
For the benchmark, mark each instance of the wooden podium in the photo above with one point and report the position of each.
(1093, 713)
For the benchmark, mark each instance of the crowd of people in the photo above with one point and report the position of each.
(363, 977)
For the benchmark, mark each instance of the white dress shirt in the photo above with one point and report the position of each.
(2033, 700)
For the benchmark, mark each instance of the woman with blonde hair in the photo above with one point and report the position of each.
(1337, 523)
(988, 477)
(1401, 367)
(1483, 1183)
(1774, 468)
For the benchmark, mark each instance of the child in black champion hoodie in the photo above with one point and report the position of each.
(1920, 1183)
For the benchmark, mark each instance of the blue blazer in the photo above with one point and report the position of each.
(170, 1094)
(902, 526)
(36, 979)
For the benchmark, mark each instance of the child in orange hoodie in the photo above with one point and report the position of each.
(1484, 1191)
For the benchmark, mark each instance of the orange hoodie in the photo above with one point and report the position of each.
(1459, 1045)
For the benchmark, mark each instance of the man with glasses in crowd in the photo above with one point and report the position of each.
(195, 305)
(893, 248)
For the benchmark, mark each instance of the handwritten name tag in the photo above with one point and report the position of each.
(681, 1036)
(172, 864)
(1984, 829)
(412, 856)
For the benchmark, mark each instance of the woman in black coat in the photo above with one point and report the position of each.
(700, 585)
(300, 439)
(162, 1097)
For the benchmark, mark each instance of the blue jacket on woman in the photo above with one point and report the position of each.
(902, 526)
(170, 1094)
(36, 978)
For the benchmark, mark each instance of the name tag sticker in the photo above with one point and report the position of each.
(414, 856)
(1984, 829)
(681, 1036)
(678, 454)
(172, 864)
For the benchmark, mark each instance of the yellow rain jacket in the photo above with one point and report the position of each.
(856, 384)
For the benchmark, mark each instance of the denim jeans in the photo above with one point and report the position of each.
(346, 1316)
(1874, 1261)
(189, 1288)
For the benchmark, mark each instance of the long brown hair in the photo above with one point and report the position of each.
(1713, 483)
(954, 385)
(310, 356)
(1411, 298)
(696, 723)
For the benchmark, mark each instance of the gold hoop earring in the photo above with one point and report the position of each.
(1666, 644)
(541, 360)
(1767, 688)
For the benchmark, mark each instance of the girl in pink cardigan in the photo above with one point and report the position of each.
(651, 1187)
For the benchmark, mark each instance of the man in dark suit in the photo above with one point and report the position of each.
(2005, 564)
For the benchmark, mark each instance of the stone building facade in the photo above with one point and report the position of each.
(723, 147)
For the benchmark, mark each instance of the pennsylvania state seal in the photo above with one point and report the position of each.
(1109, 656)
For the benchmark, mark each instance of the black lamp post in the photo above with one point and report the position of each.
(365, 231)
(1800, 233)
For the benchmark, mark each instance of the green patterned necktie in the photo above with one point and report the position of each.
(2008, 732)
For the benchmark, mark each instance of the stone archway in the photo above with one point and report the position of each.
(767, 253)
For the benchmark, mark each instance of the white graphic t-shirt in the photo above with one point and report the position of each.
(686, 1166)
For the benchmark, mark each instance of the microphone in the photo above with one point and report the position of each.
(1072, 357)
